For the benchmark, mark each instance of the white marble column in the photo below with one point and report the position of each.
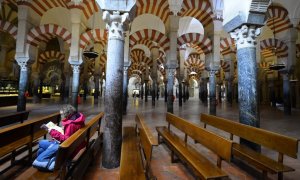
(112, 133)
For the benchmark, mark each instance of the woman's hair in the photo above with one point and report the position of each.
(67, 110)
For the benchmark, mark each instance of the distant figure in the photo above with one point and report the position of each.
(71, 121)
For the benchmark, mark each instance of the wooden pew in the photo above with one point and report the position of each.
(18, 138)
(284, 145)
(202, 167)
(136, 151)
(75, 170)
(12, 118)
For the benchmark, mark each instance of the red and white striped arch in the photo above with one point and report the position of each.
(138, 56)
(194, 60)
(9, 28)
(200, 10)
(88, 7)
(41, 33)
(42, 6)
(103, 60)
(278, 19)
(266, 53)
(226, 46)
(195, 38)
(96, 35)
(161, 59)
(51, 55)
(159, 8)
(148, 43)
(150, 34)
(225, 66)
(14, 2)
(281, 47)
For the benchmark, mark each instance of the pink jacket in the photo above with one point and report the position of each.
(71, 124)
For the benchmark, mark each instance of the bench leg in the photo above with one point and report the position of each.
(265, 175)
(280, 176)
(173, 159)
(158, 139)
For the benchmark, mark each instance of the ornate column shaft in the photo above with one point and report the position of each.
(21, 106)
(75, 84)
(170, 84)
(112, 135)
(286, 94)
(212, 92)
(125, 89)
(36, 83)
(245, 38)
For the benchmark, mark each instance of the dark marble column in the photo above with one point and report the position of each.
(112, 131)
(171, 78)
(96, 93)
(180, 92)
(286, 94)
(66, 89)
(125, 89)
(23, 80)
(229, 91)
(184, 91)
(101, 87)
(154, 90)
(272, 93)
(146, 90)
(36, 84)
(212, 92)
(247, 78)
(142, 90)
(75, 84)
(166, 91)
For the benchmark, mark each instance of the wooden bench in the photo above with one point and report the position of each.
(284, 145)
(18, 138)
(12, 118)
(202, 167)
(136, 151)
(67, 166)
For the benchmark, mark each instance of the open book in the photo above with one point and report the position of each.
(50, 125)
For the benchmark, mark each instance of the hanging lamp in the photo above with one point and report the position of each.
(91, 54)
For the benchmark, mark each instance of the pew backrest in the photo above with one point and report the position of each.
(12, 118)
(219, 145)
(280, 143)
(18, 135)
(146, 137)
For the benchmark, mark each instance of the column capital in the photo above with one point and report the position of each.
(116, 24)
(76, 68)
(23, 63)
(246, 36)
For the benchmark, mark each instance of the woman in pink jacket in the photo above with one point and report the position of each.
(71, 122)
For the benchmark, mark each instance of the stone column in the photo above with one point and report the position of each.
(171, 74)
(286, 94)
(272, 92)
(3, 51)
(85, 79)
(155, 56)
(180, 91)
(75, 58)
(36, 84)
(212, 92)
(112, 132)
(297, 94)
(247, 77)
(166, 91)
(184, 91)
(21, 106)
(75, 84)
(229, 90)
(125, 88)
(146, 90)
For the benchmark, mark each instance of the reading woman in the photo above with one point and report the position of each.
(71, 121)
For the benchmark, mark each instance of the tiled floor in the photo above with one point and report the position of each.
(271, 119)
